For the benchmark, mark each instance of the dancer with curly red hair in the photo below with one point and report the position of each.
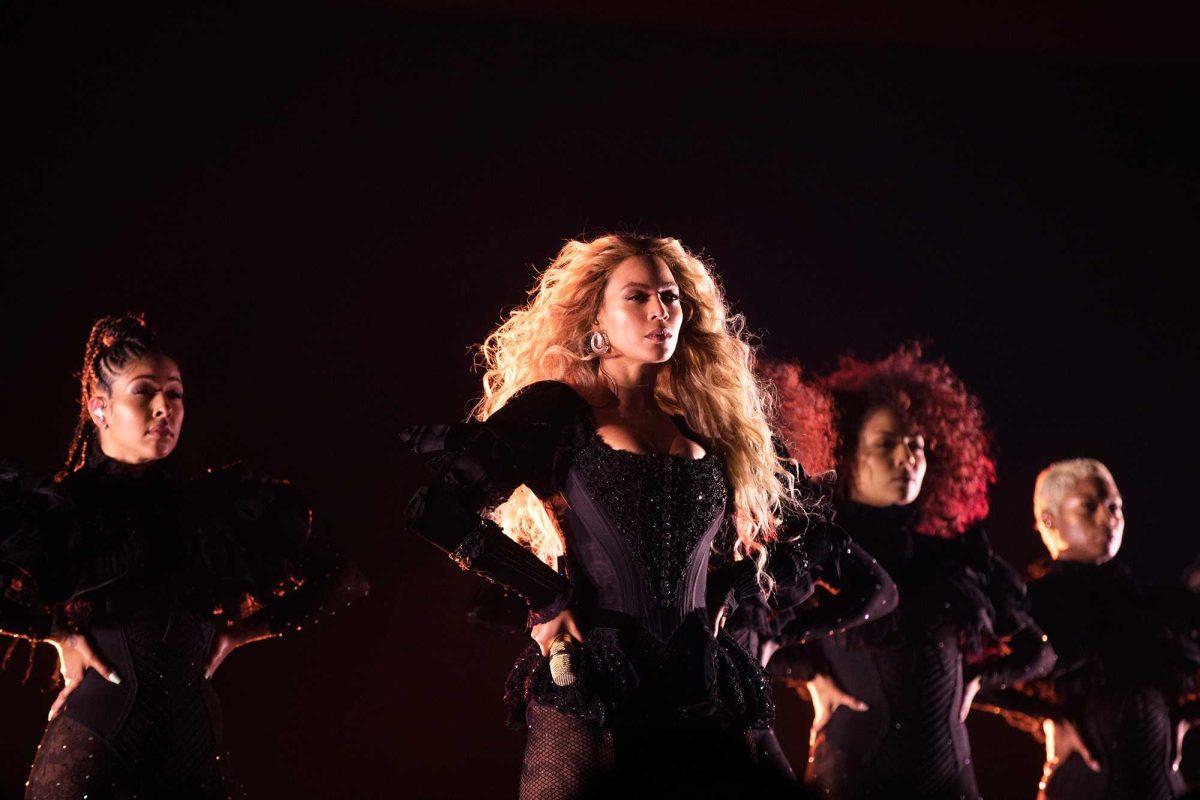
(913, 467)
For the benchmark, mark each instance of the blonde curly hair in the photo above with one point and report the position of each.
(710, 381)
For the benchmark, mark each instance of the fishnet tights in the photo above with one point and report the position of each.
(570, 759)
(563, 755)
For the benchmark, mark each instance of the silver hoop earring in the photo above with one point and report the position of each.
(597, 342)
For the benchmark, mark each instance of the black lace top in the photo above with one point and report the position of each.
(150, 567)
(640, 532)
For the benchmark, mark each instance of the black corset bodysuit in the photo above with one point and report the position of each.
(640, 533)
(641, 526)
(640, 530)
(150, 568)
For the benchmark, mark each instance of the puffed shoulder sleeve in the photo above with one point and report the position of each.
(852, 588)
(479, 467)
(28, 508)
(259, 545)
(1026, 652)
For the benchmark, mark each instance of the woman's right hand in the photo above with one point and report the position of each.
(828, 697)
(75, 657)
(544, 633)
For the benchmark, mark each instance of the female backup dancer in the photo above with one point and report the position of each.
(891, 696)
(145, 582)
(1127, 657)
(622, 423)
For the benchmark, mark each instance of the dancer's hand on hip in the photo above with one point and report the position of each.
(828, 697)
(75, 657)
(1062, 740)
(969, 692)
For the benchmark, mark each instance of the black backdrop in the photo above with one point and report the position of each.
(325, 207)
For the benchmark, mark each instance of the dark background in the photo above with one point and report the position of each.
(325, 206)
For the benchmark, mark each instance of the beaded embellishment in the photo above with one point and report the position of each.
(661, 504)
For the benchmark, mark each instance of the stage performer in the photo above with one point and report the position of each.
(891, 696)
(145, 581)
(1113, 710)
(623, 437)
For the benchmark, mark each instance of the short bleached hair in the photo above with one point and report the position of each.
(1060, 477)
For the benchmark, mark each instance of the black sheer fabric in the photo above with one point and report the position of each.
(569, 757)
(1128, 661)
(73, 762)
(150, 567)
(640, 532)
(962, 614)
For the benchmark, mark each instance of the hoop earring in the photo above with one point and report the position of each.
(597, 342)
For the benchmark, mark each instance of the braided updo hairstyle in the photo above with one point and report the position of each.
(116, 340)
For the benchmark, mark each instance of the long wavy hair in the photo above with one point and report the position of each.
(821, 417)
(710, 380)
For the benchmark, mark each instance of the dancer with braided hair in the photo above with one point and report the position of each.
(145, 582)
(913, 468)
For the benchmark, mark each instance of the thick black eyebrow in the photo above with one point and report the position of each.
(155, 378)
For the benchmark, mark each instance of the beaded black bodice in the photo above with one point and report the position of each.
(639, 531)
(662, 505)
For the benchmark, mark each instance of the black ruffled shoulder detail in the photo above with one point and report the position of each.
(533, 435)
(1114, 634)
(957, 582)
(248, 536)
(229, 543)
(1004, 586)
(29, 508)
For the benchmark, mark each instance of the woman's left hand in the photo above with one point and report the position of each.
(233, 637)
(969, 692)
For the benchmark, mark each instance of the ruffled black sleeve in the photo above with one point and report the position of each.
(258, 550)
(825, 582)
(482, 463)
(1022, 650)
(27, 509)
(852, 589)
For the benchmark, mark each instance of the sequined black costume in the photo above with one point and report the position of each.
(910, 668)
(150, 567)
(659, 701)
(1127, 658)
